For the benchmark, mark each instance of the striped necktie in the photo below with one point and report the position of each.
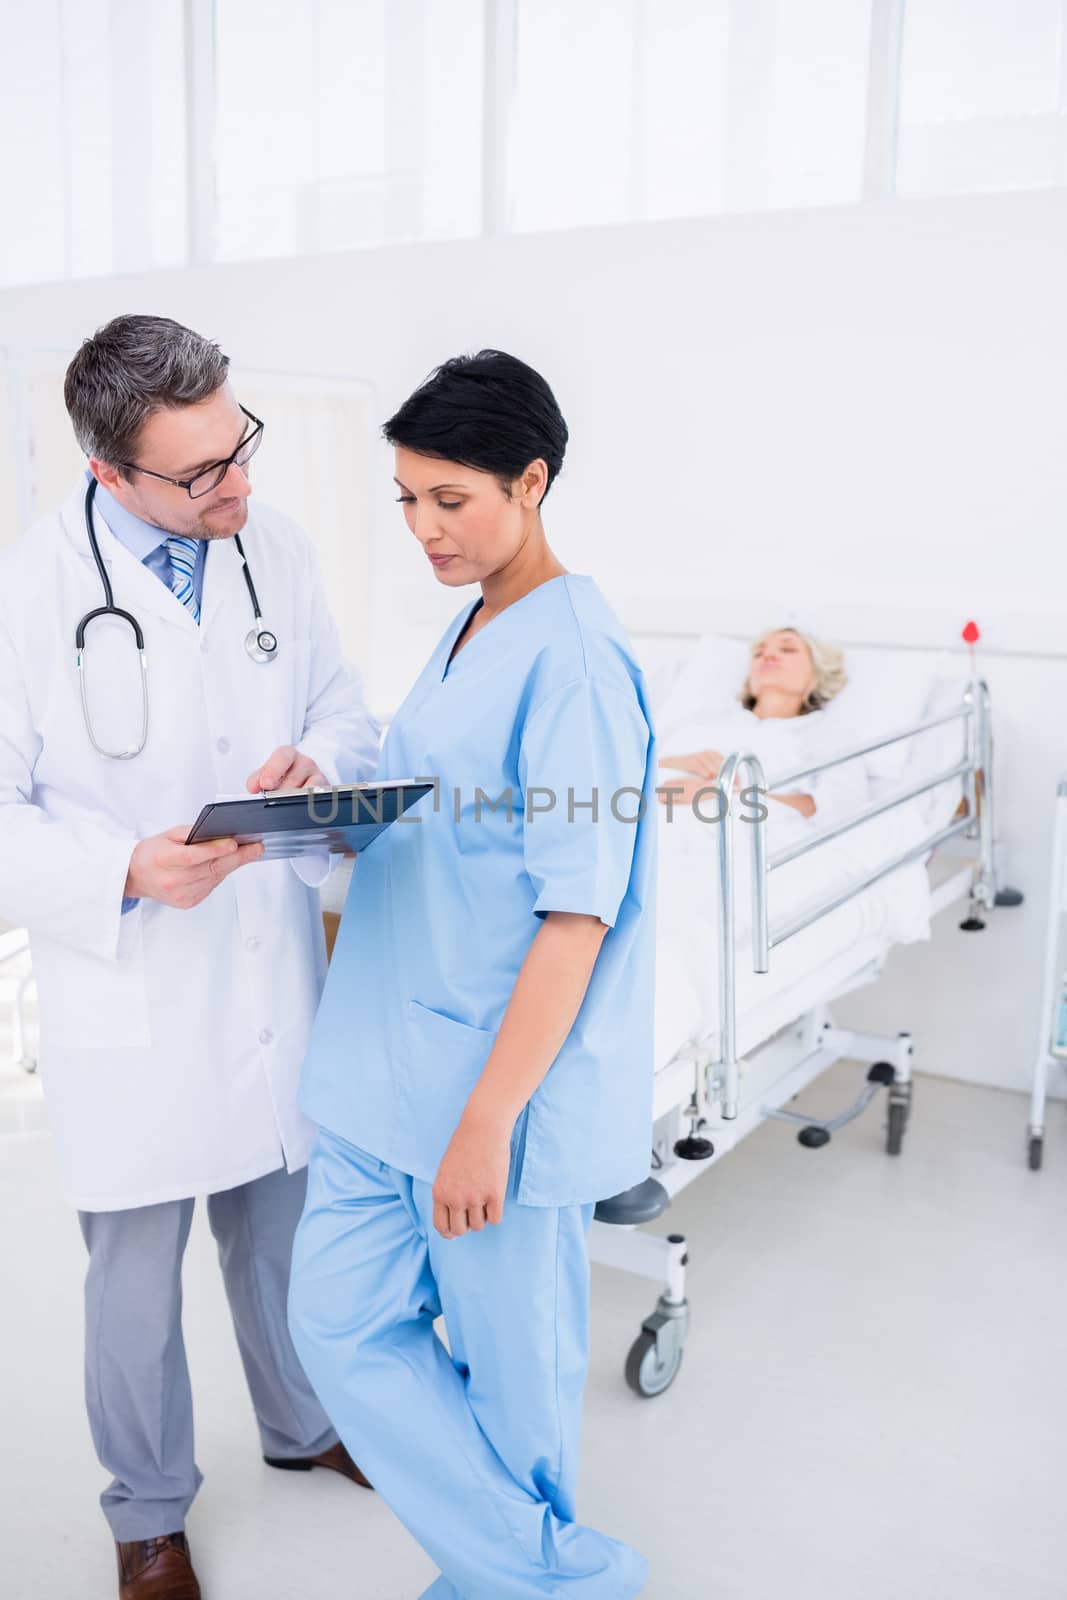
(182, 554)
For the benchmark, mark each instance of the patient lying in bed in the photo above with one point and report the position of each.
(780, 714)
(779, 717)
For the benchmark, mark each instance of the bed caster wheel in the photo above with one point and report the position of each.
(1008, 897)
(900, 1095)
(656, 1354)
(813, 1138)
(1035, 1151)
(974, 922)
(650, 1370)
(898, 1121)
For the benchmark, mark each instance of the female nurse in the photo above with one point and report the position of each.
(481, 1068)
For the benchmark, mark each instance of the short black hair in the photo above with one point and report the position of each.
(488, 411)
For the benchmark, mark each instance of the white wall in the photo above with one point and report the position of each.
(850, 404)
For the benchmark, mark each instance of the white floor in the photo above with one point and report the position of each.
(873, 1403)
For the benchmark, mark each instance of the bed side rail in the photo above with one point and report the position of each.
(976, 770)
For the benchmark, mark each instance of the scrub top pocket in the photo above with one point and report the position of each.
(445, 1059)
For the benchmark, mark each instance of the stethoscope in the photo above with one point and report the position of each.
(261, 643)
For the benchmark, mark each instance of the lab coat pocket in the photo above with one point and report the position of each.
(445, 1059)
(89, 1003)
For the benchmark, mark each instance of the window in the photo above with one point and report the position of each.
(151, 134)
(346, 122)
(630, 109)
(981, 87)
(93, 120)
(817, 113)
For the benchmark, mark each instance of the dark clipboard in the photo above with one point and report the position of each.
(305, 821)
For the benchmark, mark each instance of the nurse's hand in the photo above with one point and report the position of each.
(286, 769)
(180, 875)
(472, 1179)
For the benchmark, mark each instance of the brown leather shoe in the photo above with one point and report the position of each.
(336, 1458)
(156, 1569)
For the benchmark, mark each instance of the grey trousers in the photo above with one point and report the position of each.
(137, 1385)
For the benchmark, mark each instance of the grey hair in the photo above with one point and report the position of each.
(828, 665)
(131, 368)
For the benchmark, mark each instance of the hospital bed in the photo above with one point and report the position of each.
(1052, 1039)
(778, 933)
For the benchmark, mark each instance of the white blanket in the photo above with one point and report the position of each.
(896, 910)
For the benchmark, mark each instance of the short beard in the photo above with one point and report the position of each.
(204, 530)
(200, 529)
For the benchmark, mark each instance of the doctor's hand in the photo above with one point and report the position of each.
(472, 1179)
(177, 874)
(286, 769)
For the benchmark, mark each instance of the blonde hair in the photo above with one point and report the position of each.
(828, 660)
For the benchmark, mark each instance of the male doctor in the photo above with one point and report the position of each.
(177, 983)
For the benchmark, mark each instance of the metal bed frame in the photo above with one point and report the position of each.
(700, 1089)
(13, 945)
(1051, 1051)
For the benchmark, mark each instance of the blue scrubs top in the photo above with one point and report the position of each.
(538, 736)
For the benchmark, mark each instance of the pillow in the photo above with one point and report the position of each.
(886, 690)
(661, 660)
(708, 679)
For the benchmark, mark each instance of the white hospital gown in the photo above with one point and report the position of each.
(781, 743)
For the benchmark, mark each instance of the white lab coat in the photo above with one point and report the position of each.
(171, 1041)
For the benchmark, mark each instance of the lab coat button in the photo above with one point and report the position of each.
(266, 1037)
(222, 746)
(252, 944)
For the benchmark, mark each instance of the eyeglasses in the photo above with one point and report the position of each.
(210, 477)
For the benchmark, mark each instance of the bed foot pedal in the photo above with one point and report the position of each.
(813, 1137)
(643, 1203)
(694, 1148)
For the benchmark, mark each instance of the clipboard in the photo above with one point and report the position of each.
(298, 822)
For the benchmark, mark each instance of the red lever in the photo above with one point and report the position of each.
(971, 634)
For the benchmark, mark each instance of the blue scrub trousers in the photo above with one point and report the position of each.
(476, 1452)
